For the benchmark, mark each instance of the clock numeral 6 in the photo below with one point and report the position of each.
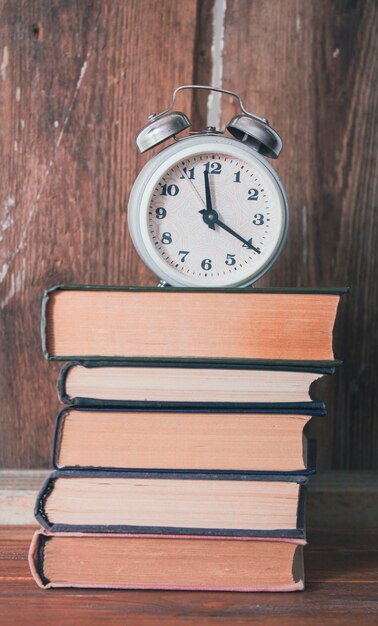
(230, 259)
(206, 264)
(169, 190)
(166, 238)
(213, 167)
(258, 219)
(253, 194)
(184, 254)
(160, 213)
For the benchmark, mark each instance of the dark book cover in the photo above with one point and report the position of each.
(311, 411)
(240, 292)
(297, 532)
(288, 367)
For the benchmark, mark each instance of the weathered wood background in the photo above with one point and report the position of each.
(78, 79)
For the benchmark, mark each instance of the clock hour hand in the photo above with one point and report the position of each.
(211, 218)
(247, 243)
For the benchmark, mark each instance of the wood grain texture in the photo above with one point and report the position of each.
(78, 79)
(341, 589)
(311, 68)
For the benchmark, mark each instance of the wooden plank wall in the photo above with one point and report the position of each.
(77, 80)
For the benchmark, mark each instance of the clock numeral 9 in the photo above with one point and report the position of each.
(213, 168)
(206, 264)
(187, 173)
(166, 238)
(184, 254)
(253, 194)
(169, 190)
(258, 219)
(230, 259)
(160, 213)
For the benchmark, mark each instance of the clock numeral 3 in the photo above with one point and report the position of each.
(169, 190)
(184, 254)
(187, 173)
(166, 238)
(253, 194)
(160, 213)
(206, 264)
(213, 167)
(230, 259)
(258, 219)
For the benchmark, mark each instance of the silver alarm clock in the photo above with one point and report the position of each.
(208, 210)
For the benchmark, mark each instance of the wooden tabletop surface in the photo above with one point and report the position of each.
(342, 588)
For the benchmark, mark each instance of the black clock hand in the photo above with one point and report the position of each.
(248, 244)
(211, 218)
(209, 204)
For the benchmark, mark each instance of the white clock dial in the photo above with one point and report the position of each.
(212, 217)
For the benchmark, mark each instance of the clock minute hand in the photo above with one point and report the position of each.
(247, 243)
(209, 203)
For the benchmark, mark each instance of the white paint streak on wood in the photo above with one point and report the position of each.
(214, 99)
(4, 63)
(3, 271)
(73, 99)
(6, 218)
(336, 53)
(23, 239)
(16, 286)
(18, 94)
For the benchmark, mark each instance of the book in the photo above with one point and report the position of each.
(122, 323)
(191, 503)
(191, 440)
(166, 562)
(205, 384)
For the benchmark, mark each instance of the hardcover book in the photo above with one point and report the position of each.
(191, 503)
(191, 440)
(166, 562)
(204, 384)
(257, 324)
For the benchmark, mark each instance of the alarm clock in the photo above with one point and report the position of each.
(208, 210)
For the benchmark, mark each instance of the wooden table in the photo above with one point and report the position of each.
(342, 588)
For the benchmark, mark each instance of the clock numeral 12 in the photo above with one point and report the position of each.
(213, 167)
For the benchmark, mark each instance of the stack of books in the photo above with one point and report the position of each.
(180, 457)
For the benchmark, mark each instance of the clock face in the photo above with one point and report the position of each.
(213, 218)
